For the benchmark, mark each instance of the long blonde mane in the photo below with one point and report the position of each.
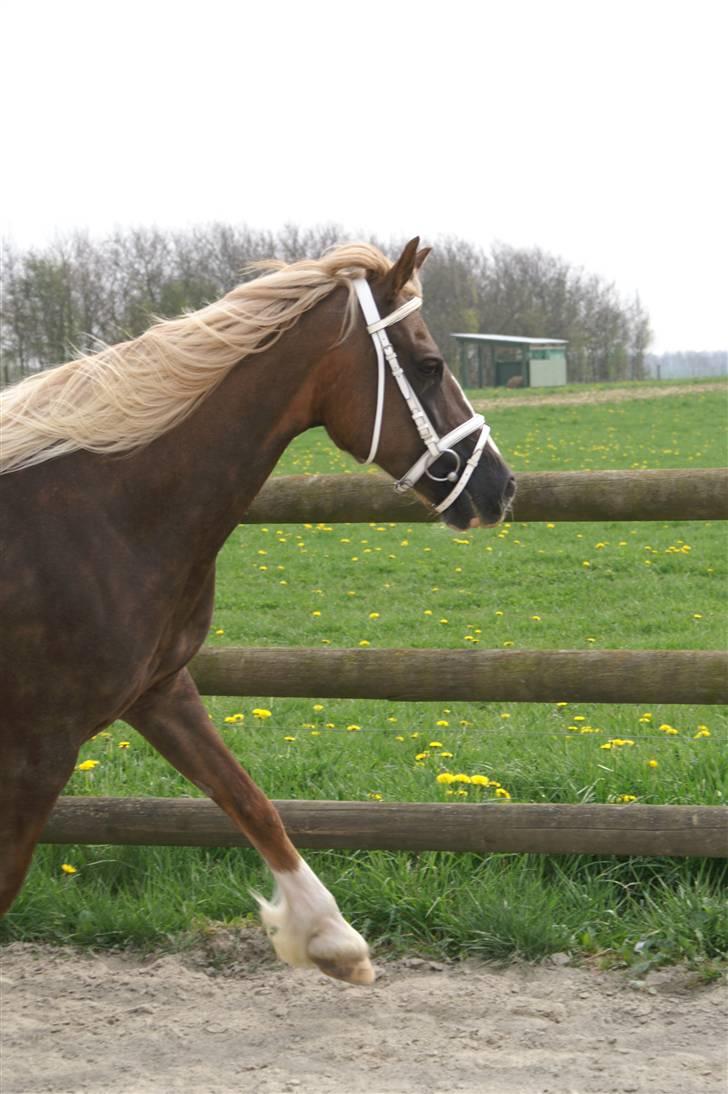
(129, 394)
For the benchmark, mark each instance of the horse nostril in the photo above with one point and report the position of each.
(510, 489)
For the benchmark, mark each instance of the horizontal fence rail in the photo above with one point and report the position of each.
(523, 676)
(699, 494)
(677, 830)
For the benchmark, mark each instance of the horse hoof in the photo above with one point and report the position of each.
(361, 972)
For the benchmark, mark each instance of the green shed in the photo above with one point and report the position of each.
(500, 360)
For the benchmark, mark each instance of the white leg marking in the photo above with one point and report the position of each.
(307, 929)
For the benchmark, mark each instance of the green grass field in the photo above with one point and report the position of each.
(641, 585)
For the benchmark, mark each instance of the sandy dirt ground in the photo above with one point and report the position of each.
(611, 395)
(227, 1019)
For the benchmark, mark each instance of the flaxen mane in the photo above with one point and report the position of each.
(129, 394)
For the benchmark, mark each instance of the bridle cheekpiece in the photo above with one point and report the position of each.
(435, 446)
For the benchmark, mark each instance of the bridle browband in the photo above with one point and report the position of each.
(435, 445)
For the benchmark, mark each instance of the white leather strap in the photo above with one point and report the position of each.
(444, 444)
(470, 466)
(394, 317)
(435, 446)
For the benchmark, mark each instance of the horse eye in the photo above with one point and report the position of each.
(430, 366)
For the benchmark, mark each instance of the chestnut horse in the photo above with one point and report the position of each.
(125, 471)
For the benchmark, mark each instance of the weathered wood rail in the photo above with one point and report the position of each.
(697, 494)
(523, 676)
(633, 829)
(624, 676)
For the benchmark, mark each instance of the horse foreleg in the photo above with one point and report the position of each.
(34, 773)
(303, 920)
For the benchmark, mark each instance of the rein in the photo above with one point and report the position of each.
(435, 445)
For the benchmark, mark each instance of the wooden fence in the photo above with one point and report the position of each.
(519, 676)
(626, 676)
(410, 826)
(699, 494)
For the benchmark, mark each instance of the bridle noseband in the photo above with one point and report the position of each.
(435, 445)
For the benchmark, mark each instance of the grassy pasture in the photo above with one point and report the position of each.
(651, 585)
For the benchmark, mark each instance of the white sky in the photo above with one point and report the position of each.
(594, 129)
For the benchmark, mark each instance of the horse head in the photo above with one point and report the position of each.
(393, 400)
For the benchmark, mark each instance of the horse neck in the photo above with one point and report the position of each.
(196, 482)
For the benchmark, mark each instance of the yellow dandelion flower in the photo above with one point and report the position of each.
(68, 869)
(443, 723)
(652, 763)
(446, 755)
(318, 707)
(124, 744)
(364, 642)
(316, 614)
(374, 615)
(505, 714)
(445, 777)
(480, 780)
(289, 738)
(399, 738)
(461, 777)
(374, 796)
(501, 792)
(261, 713)
(353, 728)
(88, 765)
(219, 631)
(435, 744)
(703, 731)
(422, 755)
(627, 798)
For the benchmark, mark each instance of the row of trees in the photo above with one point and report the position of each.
(687, 363)
(64, 298)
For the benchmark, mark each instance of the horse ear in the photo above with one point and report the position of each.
(403, 268)
(421, 256)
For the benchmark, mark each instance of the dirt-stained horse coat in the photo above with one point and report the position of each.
(107, 583)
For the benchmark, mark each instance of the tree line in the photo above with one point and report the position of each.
(686, 364)
(69, 296)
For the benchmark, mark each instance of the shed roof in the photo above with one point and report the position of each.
(512, 340)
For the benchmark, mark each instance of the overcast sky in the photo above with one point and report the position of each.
(593, 129)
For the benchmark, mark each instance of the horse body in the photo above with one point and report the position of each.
(108, 582)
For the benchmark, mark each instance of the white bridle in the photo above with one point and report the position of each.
(435, 445)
